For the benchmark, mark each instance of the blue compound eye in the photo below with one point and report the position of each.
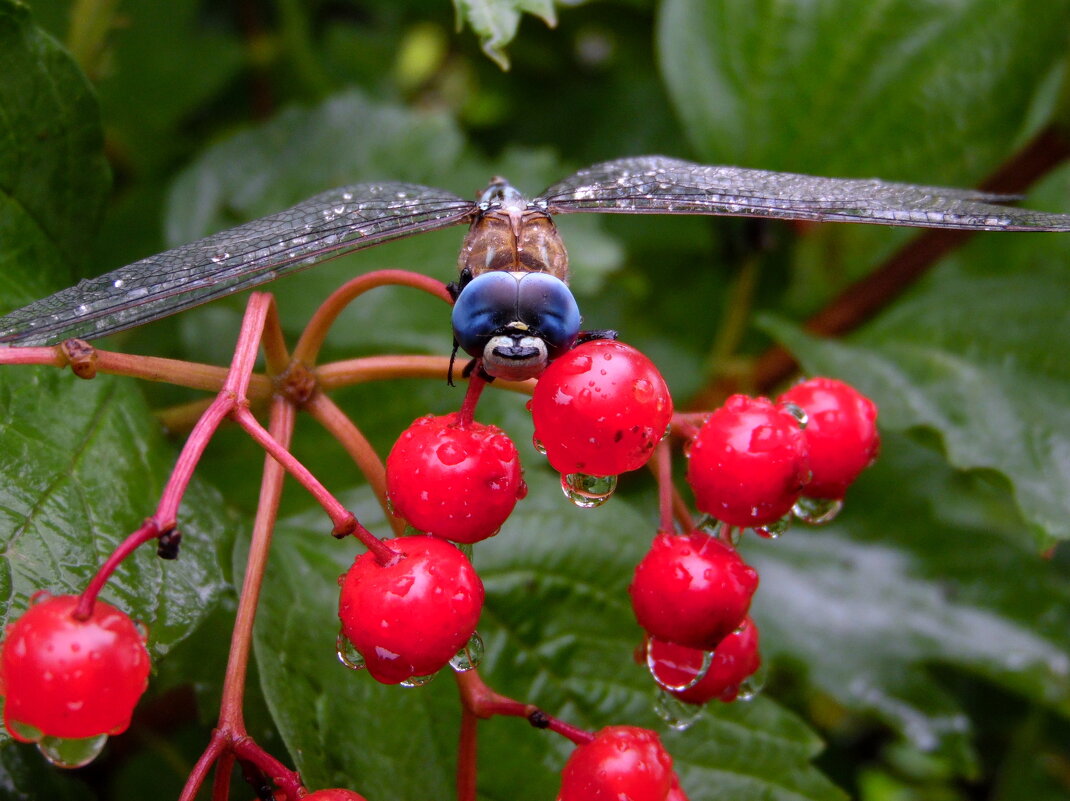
(485, 306)
(546, 305)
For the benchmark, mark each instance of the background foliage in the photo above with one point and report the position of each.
(923, 637)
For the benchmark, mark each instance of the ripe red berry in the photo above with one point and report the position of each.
(455, 481)
(691, 589)
(621, 762)
(841, 432)
(734, 660)
(748, 463)
(333, 795)
(408, 618)
(600, 409)
(676, 792)
(69, 678)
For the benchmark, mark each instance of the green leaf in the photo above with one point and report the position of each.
(53, 176)
(980, 353)
(894, 88)
(559, 633)
(919, 570)
(496, 21)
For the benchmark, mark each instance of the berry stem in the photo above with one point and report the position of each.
(662, 463)
(148, 531)
(327, 413)
(347, 372)
(467, 755)
(221, 780)
(471, 399)
(50, 356)
(216, 746)
(315, 332)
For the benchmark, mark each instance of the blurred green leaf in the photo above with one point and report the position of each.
(53, 176)
(496, 21)
(980, 353)
(899, 89)
(559, 633)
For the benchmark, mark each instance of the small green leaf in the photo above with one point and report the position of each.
(496, 21)
(559, 633)
(53, 176)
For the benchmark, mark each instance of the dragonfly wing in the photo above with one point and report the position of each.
(330, 224)
(661, 185)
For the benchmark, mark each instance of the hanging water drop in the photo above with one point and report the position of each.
(676, 714)
(817, 511)
(24, 731)
(71, 753)
(797, 412)
(693, 674)
(347, 654)
(418, 681)
(537, 444)
(752, 685)
(773, 530)
(470, 655)
(587, 491)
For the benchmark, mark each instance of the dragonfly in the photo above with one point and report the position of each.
(523, 314)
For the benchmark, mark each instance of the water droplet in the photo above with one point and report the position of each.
(418, 681)
(643, 390)
(587, 491)
(817, 511)
(24, 731)
(450, 453)
(73, 753)
(752, 685)
(347, 654)
(39, 596)
(773, 530)
(676, 714)
(700, 674)
(218, 257)
(537, 443)
(797, 412)
(470, 655)
(117, 283)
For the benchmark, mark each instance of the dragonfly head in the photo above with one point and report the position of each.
(516, 322)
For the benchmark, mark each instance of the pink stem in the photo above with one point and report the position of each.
(663, 457)
(245, 748)
(471, 398)
(221, 781)
(51, 356)
(467, 756)
(216, 746)
(148, 531)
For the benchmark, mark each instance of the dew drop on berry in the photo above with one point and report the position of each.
(71, 753)
(24, 731)
(578, 365)
(773, 530)
(418, 681)
(39, 596)
(347, 654)
(586, 491)
(676, 714)
(817, 511)
(797, 412)
(694, 674)
(521, 490)
(751, 686)
(470, 655)
(537, 444)
(451, 453)
(643, 390)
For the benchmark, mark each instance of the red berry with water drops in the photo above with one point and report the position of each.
(734, 660)
(841, 432)
(453, 480)
(333, 795)
(676, 792)
(748, 463)
(69, 678)
(692, 589)
(621, 762)
(408, 618)
(600, 409)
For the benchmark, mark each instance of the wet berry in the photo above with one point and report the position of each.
(748, 463)
(409, 617)
(333, 795)
(734, 660)
(68, 678)
(453, 481)
(691, 589)
(600, 409)
(841, 433)
(621, 762)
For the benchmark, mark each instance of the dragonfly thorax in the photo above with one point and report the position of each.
(513, 238)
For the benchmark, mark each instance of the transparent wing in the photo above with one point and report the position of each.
(327, 225)
(660, 185)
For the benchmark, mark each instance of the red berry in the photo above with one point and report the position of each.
(408, 618)
(691, 589)
(748, 463)
(68, 678)
(600, 409)
(455, 481)
(621, 762)
(676, 792)
(841, 432)
(734, 660)
(333, 795)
